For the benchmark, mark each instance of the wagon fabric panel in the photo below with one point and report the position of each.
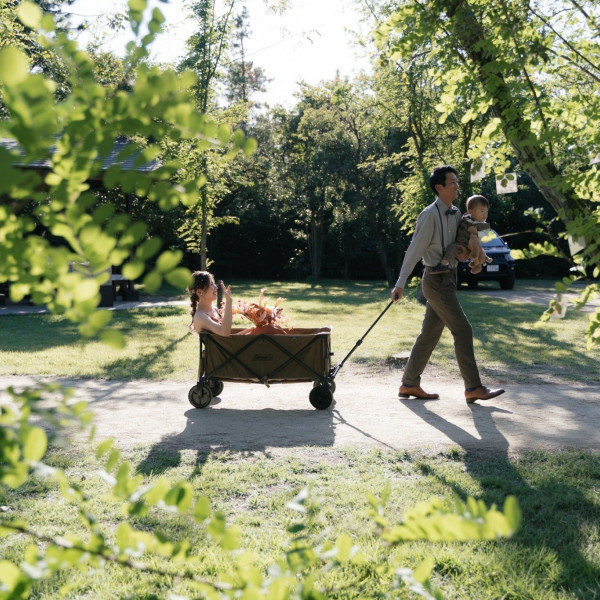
(301, 355)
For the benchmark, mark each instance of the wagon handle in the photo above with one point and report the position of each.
(360, 341)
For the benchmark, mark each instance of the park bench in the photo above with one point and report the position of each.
(123, 287)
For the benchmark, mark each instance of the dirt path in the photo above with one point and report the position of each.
(366, 413)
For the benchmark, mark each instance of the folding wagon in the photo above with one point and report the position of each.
(303, 355)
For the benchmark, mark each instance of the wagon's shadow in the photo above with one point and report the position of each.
(207, 431)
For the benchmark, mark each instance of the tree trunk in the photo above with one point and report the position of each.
(203, 228)
(383, 257)
(315, 246)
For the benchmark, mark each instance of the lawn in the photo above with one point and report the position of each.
(554, 556)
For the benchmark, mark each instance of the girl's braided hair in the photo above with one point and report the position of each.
(201, 280)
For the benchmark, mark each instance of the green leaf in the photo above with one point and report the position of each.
(231, 538)
(137, 5)
(223, 133)
(29, 14)
(113, 338)
(133, 269)
(111, 177)
(344, 547)
(181, 496)
(113, 459)
(239, 138)
(157, 492)
(250, 146)
(14, 477)
(99, 319)
(423, 572)
(202, 509)
(560, 287)
(148, 248)
(104, 447)
(48, 23)
(35, 445)
(512, 512)
(168, 260)
(179, 278)
(152, 281)
(9, 576)
(14, 66)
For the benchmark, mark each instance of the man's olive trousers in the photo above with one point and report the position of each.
(442, 310)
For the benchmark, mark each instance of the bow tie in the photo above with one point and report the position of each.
(452, 210)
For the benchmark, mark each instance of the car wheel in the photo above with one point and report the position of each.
(508, 283)
(472, 284)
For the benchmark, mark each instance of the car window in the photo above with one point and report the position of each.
(494, 242)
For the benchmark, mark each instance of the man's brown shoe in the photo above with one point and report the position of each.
(406, 391)
(482, 393)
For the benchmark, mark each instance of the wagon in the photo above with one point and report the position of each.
(303, 355)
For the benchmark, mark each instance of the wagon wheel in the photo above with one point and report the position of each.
(321, 397)
(200, 396)
(216, 387)
(331, 385)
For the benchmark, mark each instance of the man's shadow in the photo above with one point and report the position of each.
(554, 501)
(489, 435)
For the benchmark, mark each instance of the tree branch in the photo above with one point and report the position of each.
(587, 16)
(113, 558)
(568, 45)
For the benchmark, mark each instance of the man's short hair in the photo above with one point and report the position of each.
(438, 176)
(477, 200)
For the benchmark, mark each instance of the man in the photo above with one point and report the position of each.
(435, 230)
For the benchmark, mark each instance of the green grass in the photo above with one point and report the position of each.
(510, 342)
(556, 554)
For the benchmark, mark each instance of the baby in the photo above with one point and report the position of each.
(471, 229)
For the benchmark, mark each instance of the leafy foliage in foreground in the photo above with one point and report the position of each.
(76, 135)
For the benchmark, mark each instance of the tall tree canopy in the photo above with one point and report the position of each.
(531, 69)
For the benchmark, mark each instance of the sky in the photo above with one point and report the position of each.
(311, 41)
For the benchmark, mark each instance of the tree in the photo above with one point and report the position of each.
(317, 148)
(374, 166)
(257, 240)
(15, 33)
(534, 68)
(242, 78)
(207, 49)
